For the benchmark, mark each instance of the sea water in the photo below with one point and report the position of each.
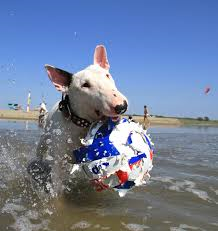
(182, 193)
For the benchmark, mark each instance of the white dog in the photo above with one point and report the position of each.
(87, 96)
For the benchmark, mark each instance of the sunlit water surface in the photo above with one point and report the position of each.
(181, 195)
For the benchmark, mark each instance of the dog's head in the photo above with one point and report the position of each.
(92, 91)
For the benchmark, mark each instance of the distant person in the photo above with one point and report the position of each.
(131, 119)
(43, 109)
(146, 120)
(42, 114)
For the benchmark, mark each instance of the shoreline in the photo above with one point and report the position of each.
(18, 115)
(154, 121)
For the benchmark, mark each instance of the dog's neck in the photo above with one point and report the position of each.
(69, 114)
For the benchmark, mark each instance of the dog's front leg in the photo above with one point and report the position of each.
(40, 167)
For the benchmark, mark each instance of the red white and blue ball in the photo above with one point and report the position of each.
(116, 155)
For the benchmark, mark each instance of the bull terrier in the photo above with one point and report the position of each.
(88, 96)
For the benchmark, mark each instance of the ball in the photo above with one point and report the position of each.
(116, 155)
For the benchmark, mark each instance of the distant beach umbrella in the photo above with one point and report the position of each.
(206, 90)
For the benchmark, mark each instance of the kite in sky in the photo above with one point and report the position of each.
(207, 90)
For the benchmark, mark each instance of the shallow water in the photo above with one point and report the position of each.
(181, 195)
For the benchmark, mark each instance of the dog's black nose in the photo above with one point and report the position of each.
(120, 109)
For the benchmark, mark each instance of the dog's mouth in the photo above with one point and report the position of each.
(115, 118)
(103, 116)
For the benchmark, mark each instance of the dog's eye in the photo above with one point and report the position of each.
(108, 76)
(86, 84)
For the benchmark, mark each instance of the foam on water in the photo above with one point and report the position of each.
(182, 186)
(184, 227)
(25, 223)
(135, 227)
(24, 218)
(81, 225)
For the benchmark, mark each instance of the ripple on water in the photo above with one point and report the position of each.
(184, 186)
(173, 201)
(135, 227)
(81, 225)
(24, 223)
(86, 225)
(24, 220)
(184, 227)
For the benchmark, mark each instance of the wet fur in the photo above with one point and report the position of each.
(61, 136)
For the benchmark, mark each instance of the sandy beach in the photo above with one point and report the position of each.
(19, 115)
(33, 115)
(154, 121)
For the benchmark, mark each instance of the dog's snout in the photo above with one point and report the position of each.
(120, 109)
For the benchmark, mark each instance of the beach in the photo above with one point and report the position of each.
(154, 121)
(19, 115)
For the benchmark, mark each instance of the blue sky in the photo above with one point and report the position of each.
(162, 53)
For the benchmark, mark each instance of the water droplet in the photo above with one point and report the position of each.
(69, 141)
(48, 141)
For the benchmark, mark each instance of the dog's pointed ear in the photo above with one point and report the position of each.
(60, 78)
(100, 57)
